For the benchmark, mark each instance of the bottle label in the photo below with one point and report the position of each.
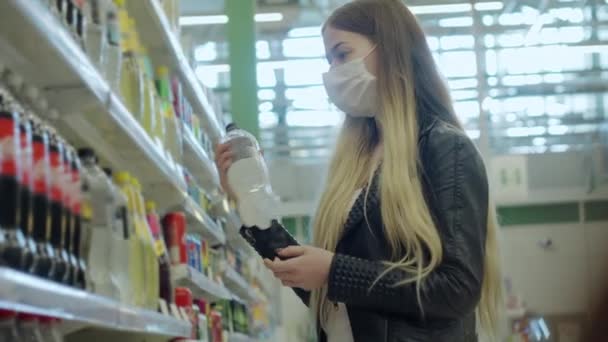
(10, 163)
(40, 169)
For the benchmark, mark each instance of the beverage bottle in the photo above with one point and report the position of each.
(173, 136)
(174, 227)
(98, 196)
(28, 328)
(164, 264)
(136, 247)
(8, 326)
(49, 329)
(13, 246)
(150, 97)
(151, 274)
(25, 217)
(41, 205)
(76, 21)
(131, 80)
(248, 178)
(96, 39)
(112, 61)
(70, 215)
(81, 222)
(58, 214)
(119, 258)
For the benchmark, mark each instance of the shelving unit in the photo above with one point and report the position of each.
(200, 222)
(164, 48)
(238, 337)
(34, 295)
(238, 285)
(200, 285)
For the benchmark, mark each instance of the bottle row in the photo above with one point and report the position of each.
(153, 95)
(29, 328)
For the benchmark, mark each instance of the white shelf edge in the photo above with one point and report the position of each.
(198, 282)
(203, 224)
(239, 337)
(26, 293)
(190, 82)
(209, 175)
(236, 283)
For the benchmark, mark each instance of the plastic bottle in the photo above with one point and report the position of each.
(58, 215)
(131, 80)
(99, 198)
(112, 61)
(160, 247)
(41, 206)
(148, 119)
(96, 38)
(28, 328)
(119, 258)
(8, 326)
(248, 178)
(151, 259)
(49, 329)
(12, 242)
(136, 246)
(173, 136)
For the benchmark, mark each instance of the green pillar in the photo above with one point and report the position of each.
(243, 81)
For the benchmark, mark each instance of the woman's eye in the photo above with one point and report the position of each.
(342, 56)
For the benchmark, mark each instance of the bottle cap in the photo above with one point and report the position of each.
(150, 206)
(162, 71)
(87, 153)
(4, 314)
(122, 177)
(231, 127)
(136, 183)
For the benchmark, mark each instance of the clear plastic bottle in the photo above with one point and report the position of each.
(99, 198)
(8, 326)
(136, 246)
(96, 39)
(112, 61)
(49, 329)
(28, 328)
(150, 257)
(248, 178)
(119, 258)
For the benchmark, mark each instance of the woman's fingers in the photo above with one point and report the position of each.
(292, 251)
(281, 266)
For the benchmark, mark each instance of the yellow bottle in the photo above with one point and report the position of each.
(131, 79)
(136, 257)
(147, 116)
(151, 262)
(172, 129)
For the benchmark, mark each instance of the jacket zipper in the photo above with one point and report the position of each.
(385, 330)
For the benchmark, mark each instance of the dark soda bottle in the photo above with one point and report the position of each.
(68, 194)
(13, 243)
(41, 204)
(25, 213)
(58, 210)
(74, 240)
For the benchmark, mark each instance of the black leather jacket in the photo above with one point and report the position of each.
(456, 190)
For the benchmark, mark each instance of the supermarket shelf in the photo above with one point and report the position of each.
(200, 222)
(198, 283)
(199, 163)
(238, 337)
(165, 48)
(233, 237)
(238, 285)
(26, 293)
(89, 113)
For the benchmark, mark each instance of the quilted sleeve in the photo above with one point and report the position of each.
(459, 187)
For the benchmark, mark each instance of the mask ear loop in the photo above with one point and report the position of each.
(370, 52)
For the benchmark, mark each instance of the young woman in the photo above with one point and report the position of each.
(405, 240)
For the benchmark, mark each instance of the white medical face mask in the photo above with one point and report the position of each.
(352, 88)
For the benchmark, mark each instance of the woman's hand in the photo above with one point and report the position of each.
(306, 267)
(223, 161)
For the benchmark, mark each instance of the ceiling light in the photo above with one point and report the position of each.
(300, 32)
(203, 20)
(489, 6)
(437, 9)
(223, 19)
(268, 17)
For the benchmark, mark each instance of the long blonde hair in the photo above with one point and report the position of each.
(406, 100)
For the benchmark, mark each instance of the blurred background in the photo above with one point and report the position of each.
(529, 83)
